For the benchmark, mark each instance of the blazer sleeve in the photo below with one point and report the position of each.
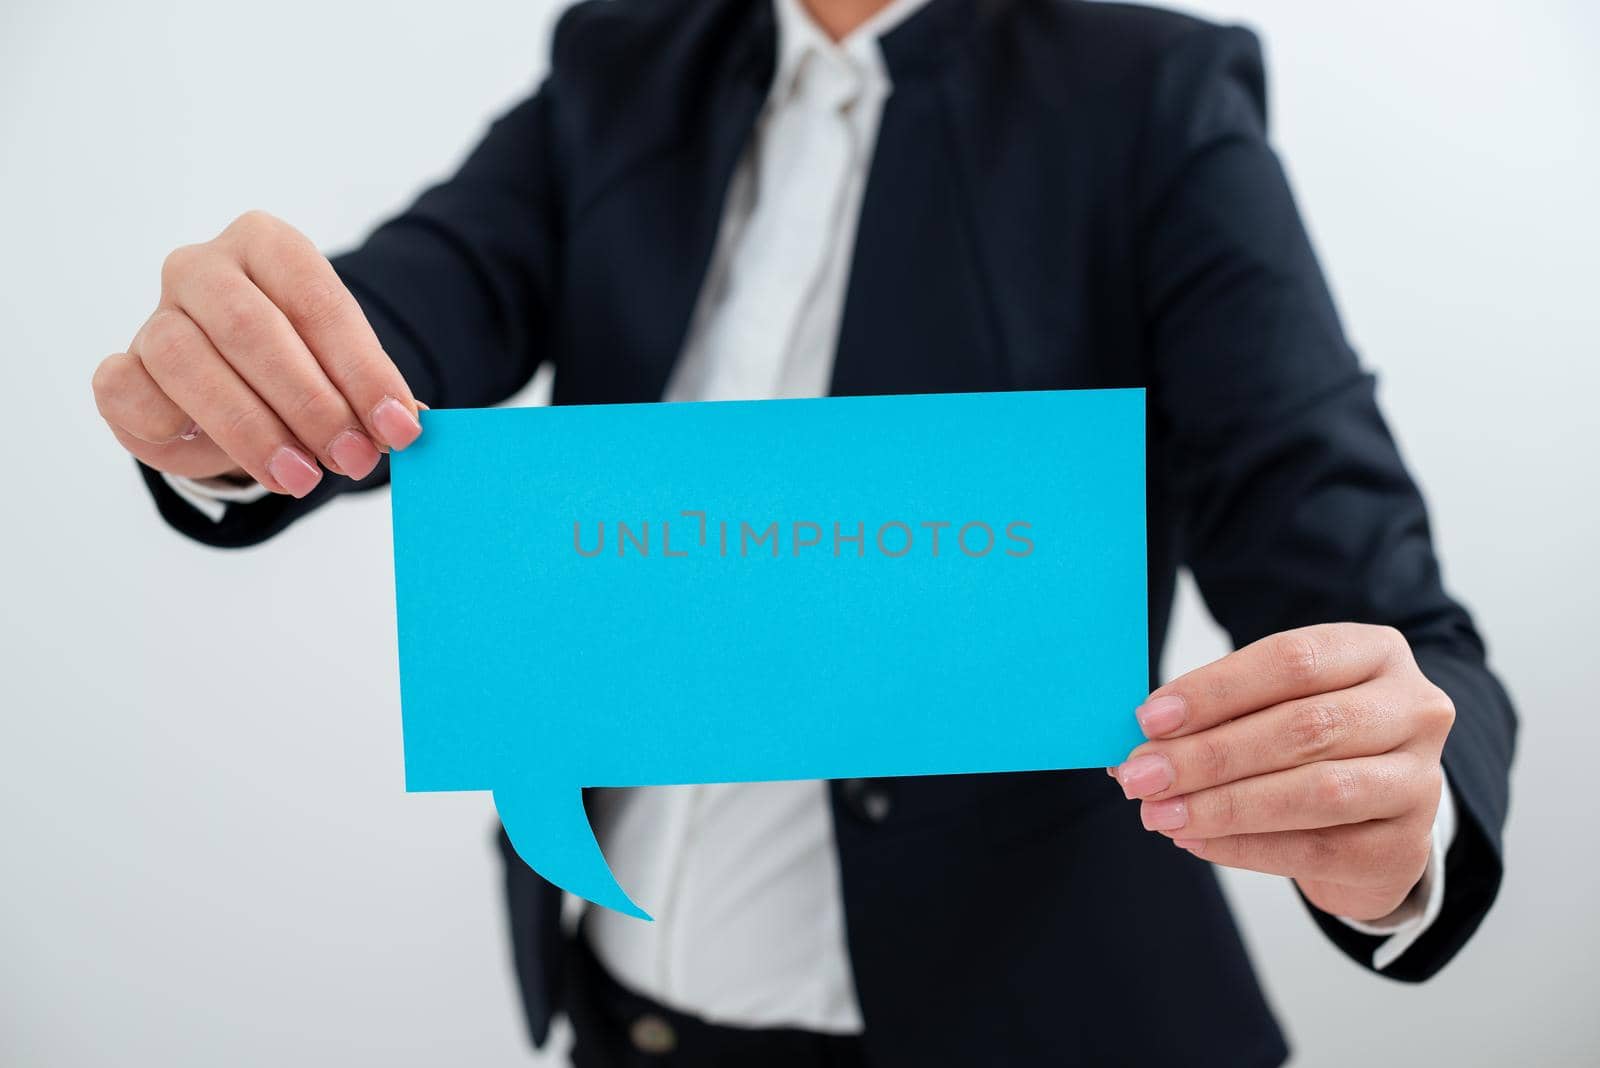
(458, 289)
(1294, 504)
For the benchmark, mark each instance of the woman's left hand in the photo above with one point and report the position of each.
(1313, 753)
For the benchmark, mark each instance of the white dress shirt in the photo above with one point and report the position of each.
(743, 878)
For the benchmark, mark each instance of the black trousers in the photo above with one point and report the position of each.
(614, 1027)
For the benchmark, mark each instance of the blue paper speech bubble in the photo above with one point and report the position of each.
(637, 595)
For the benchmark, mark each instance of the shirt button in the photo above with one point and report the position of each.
(652, 1034)
(868, 799)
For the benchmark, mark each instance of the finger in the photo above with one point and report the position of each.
(1282, 667)
(149, 424)
(129, 399)
(1326, 794)
(200, 458)
(299, 279)
(1361, 721)
(258, 342)
(188, 368)
(1361, 854)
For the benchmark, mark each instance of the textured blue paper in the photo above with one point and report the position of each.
(532, 670)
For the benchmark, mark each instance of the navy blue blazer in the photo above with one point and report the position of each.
(1064, 195)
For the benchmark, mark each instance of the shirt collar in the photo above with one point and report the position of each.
(799, 35)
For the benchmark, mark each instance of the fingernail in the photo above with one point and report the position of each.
(354, 453)
(396, 423)
(1111, 772)
(1162, 715)
(190, 432)
(1191, 844)
(294, 471)
(1164, 815)
(1147, 774)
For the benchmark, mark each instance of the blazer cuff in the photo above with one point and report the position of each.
(211, 496)
(242, 523)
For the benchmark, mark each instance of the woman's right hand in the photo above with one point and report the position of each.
(257, 362)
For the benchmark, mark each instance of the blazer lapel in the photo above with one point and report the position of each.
(918, 307)
(663, 202)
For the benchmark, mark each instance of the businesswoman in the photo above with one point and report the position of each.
(715, 199)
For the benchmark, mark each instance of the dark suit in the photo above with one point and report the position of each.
(1063, 195)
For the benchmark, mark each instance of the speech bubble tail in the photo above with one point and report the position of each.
(549, 829)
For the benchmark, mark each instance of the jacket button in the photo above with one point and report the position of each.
(653, 1035)
(869, 800)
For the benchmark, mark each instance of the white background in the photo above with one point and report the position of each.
(208, 857)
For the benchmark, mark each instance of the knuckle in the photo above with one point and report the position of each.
(1438, 710)
(109, 379)
(180, 263)
(1296, 656)
(366, 380)
(1392, 642)
(1212, 758)
(316, 407)
(318, 302)
(1215, 685)
(166, 340)
(1226, 810)
(1320, 849)
(1315, 728)
(252, 224)
(1335, 787)
(240, 425)
(238, 319)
